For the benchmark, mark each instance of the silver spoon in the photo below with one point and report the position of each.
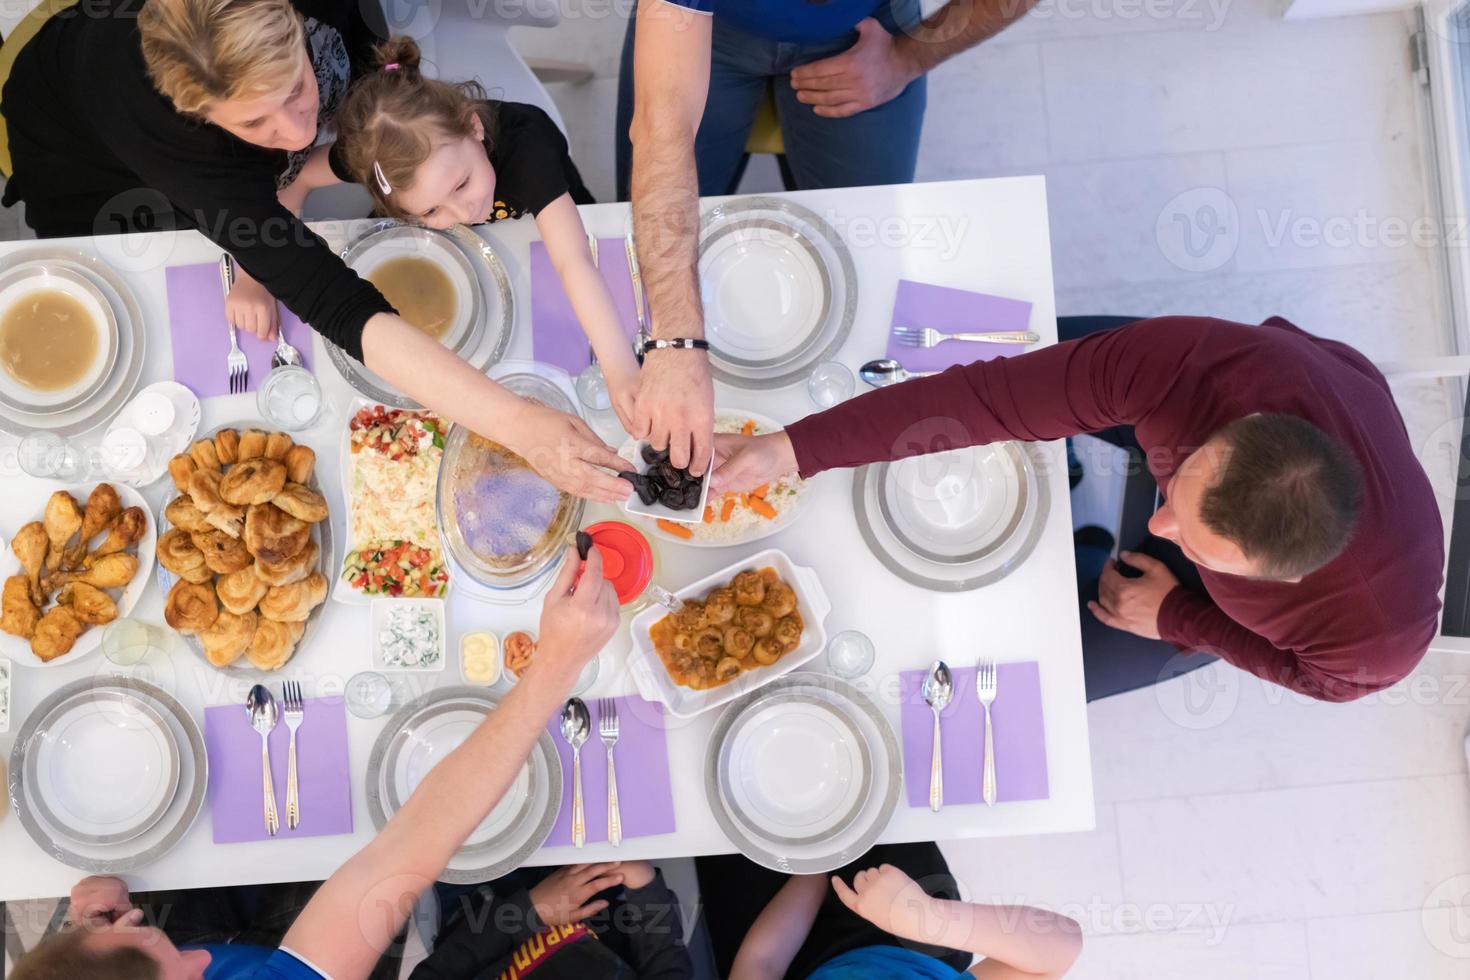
(884, 372)
(263, 716)
(576, 723)
(938, 688)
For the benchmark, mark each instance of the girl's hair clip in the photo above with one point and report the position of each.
(382, 179)
(393, 67)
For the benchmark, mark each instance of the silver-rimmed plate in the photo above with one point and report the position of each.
(321, 534)
(804, 775)
(954, 521)
(489, 334)
(370, 252)
(779, 291)
(18, 283)
(160, 838)
(103, 767)
(121, 381)
(429, 728)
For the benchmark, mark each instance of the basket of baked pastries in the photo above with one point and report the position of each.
(79, 563)
(243, 547)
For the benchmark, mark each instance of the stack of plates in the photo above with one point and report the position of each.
(956, 520)
(108, 774)
(113, 377)
(419, 736)
(486, 310)
(779, 291)
(803, 776)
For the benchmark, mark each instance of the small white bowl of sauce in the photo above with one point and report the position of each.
(57, 338)
(479, 658)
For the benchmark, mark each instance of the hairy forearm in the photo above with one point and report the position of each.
(666, 225)
(432, 375)
(1016, 940)
(957, 26)
(775, 937)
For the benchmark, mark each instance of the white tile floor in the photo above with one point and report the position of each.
(1242, 832)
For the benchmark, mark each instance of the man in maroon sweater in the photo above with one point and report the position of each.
(1290, 483)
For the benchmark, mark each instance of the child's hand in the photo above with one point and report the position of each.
(563, 897)
(251, 307)
(622, 387)
(100, 900)
(889, 899)
(637, 874)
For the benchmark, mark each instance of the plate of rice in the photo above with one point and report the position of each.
(736, 518)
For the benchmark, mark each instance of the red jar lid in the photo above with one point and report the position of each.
(627, 558)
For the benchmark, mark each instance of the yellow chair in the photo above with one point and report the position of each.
(765, 137)
(24, 31)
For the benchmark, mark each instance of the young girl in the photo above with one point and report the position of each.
(440, 154)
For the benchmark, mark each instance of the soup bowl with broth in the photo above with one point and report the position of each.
(426, 278)
(58, 338)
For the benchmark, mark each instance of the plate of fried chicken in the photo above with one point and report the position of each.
(83, 563)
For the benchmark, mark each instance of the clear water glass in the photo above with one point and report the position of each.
(596, 399)
(68, 464)
(125, 642)
(38, 454)
(831, 382)
(850, 654)
(371, 695)
(290, 398)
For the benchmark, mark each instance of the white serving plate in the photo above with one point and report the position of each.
(652, 678)
(633, 451)
(26, 504)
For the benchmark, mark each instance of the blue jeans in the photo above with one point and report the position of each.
(879, 146)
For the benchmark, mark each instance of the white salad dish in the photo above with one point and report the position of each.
(408, 634)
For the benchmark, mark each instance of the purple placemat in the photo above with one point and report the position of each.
(201, 341)
(556, 333)
(919, 304)
(1020, 737)
(321, 763)
(645, 795)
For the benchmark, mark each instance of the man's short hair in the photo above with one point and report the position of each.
(66, 957)
(1288, 494)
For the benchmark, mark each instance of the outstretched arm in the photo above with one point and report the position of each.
(357, 912)
(671, 64)
(778, 932)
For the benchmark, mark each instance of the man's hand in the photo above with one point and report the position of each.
(251, 307)
(1133, 604)
(100, 901)
(562, 898)
(579, 615)
(746, 462)
(676, 407)
(564, 450)
(889, 899)
(870, 73)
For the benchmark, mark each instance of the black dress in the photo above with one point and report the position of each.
(96, 149)
(533, 164)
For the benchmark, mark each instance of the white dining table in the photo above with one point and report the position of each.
(985, 235)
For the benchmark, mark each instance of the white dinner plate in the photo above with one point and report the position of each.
(26, 503)
(798, 769)
(180, 814)
(104, 766)
(779, 291)
(953, 533)
(817, 793)
(437, 732)
(437, 247)
(419, 736)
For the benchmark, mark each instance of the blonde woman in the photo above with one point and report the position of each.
(145, 114)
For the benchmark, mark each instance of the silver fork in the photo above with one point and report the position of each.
(985, 689)
(929, 337)
(295, 712)
(284, 353)
(239, 368)
(607, 727)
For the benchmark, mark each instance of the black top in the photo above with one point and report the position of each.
(533, 165)
(97, 149)
(640, 936)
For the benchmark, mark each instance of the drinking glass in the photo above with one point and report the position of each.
(371, 695)
(831, 382)
(127, 641)
(38, 452)
(850, 654)
(596, 399)
(290, 398)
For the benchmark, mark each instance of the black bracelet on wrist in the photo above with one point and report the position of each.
(675, 343)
